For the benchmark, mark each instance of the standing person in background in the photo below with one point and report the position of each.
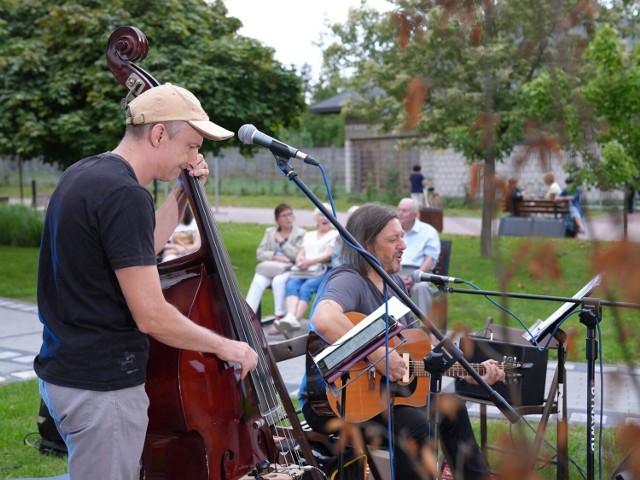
(99, 293)
(276, 255)
(630, 198)
(312, 262)
(418, 182)
(553, 189)
(423, 250)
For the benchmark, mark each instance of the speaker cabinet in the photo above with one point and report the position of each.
(524, 385)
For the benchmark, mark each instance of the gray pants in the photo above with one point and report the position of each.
(104, 431)
(421, 293)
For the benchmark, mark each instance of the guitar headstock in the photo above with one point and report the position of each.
(513, 369)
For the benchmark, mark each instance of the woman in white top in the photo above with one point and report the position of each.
(553, 187)
(312, 263)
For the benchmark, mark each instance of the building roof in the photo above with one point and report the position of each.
(331, 105)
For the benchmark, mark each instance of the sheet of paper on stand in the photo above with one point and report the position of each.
(542, 328)
(361, 340)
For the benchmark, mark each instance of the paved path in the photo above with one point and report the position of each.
(603, 228)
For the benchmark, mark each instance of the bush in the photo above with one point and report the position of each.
(20, 226)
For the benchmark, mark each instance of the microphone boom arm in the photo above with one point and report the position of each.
(504, 406)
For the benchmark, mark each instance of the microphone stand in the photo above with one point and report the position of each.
(506, 409)
(590, 316)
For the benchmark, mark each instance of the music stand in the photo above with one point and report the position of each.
(541, 329)
(590, 316)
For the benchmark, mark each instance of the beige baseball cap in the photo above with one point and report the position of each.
(169, 102)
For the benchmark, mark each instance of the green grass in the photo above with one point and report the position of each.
(516, 439)
(19, 405)
(19, 267)
(20, 226)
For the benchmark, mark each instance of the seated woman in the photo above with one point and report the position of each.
(276, 253)
(185, 238)
(553, 189)
(312, 263)
(513, 195)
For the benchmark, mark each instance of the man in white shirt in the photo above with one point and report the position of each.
(423, 250)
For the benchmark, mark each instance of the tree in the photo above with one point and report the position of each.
(453, 72)
(318, 130)
(59, 101)
(613, 92)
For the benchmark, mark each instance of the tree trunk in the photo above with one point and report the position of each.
(488, 142)
(488, 204)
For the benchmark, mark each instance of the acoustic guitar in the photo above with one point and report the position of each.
(366, 394)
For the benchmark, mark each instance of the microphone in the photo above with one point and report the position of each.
(249, 134)
(420, 276)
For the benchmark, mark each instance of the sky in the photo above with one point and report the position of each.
(292, 26)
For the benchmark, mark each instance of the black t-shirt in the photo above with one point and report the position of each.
(99, 219)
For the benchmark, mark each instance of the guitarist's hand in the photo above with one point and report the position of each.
(493, 373)
(397, 366)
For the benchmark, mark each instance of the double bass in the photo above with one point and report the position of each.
(204, 421)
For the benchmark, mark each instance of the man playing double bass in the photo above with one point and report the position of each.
(99, 293)
(356, 287)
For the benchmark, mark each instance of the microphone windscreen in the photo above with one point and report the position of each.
(416, 276)
(246, 132)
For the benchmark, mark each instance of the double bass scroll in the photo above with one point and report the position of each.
(204, 421)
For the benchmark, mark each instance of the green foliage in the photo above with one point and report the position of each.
(473, 62)
(613, 92)
(392, 186)
(20, 226)
(61, 102)
(616, 169)
(546, 104)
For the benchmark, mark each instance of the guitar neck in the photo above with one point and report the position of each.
(458, 370)
(455, 370)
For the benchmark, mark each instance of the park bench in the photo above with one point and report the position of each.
(534, 218)
(545, 208)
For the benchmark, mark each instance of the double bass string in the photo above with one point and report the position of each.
(271, 407)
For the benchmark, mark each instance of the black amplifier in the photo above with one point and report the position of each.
(525, 369)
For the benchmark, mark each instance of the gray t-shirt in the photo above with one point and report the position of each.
(354, 293)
